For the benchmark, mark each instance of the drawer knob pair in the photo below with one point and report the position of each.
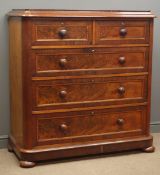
(121, 90)
(123, 32)
(63, 62)
(120, 121)
(62, 33)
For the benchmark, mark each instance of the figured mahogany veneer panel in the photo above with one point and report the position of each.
(91, 124)
(76, 61)
(61, 32)
(122, 32)
(74, 91)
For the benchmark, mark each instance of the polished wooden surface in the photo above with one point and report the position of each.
(84, 82)
(117, 32)
(73, 91)
(61, 32)
(58, 62)
(76, 150)
(90, 125)
(80, 13)
(16, 107)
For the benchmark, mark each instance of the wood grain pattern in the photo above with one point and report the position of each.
(93, 107)
(83, 76)
(90, 125)
(48, 32)
(16, 87)
(150, 77)
(36, 47)
(109, 32)
(78, 61)
(80, 83)
(80, 13)
(89, 90)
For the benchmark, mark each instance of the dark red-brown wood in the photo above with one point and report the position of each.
(80, 83)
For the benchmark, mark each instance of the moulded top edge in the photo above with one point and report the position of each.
(78, 13)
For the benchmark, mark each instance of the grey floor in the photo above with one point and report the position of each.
(131, 163)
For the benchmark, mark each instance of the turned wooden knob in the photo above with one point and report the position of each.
(63, 127)
(120, 121)
(121, 90)
(92, 113)
(122, 60)
(63, 94)
(92, 50)
(123, 32)
(63, 62)
(62, 33)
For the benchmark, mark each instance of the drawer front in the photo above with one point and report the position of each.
(91, 124)
(61, 32)
(77, 61)
(83, 91)
(122, 32)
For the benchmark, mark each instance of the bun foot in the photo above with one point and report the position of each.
(10, 149)
(26, 164)
(150, 149)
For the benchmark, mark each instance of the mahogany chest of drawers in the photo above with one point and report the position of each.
(80, 83)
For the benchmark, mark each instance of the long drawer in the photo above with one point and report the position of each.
(58, 62)
(86, 91)
(90, 125)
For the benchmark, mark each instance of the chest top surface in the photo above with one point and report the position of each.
(79, 13)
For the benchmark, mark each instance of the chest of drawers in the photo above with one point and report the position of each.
(80, 83)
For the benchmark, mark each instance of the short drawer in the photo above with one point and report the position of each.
(80, 61)
(122, 32)
(61, 32)
(72, 92)
(78, 126)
